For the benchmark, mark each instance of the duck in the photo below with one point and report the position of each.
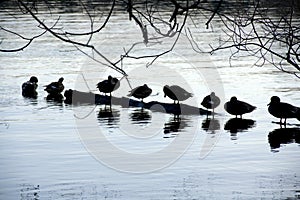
(176, 93)
(140, 92)
(55, 88)
(29, 87)
(236, 107)
(109, 85)
(211, 101)
(283, 110)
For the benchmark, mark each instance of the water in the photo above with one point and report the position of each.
(44, 154)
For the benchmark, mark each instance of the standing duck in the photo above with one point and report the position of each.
(109, 85)
(211, 101)
(283, 110)
(55, 88)
(176, 93)
(140, 92)
(236, 107)
(29, 87)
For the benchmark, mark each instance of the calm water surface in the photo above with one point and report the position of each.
(42, 150)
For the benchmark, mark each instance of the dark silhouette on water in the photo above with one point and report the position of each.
(55, 97)
(55, 88)
(235, 125)
(29, 88)
(176, 93)
(211, 124)
(236, 107)
(175, 125)
(108, 116)
(283, 110)
(78, 97)
(283, 136)
(109, 85)
(140, 92)
(140, 116)
(211, 102)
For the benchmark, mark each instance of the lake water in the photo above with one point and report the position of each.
(51, 150)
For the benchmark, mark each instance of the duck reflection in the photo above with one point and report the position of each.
(140, 116)
(109, 117)
(235, 125)
(283, 136)
(174, 125)
(211, 125)
(55, 98)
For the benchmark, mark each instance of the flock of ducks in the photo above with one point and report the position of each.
(234, 107)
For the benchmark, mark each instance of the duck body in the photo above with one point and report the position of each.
(176, 93)
(55, 88)
(29, 88)
(283, 110)
(109, 85)
(236, 107)
(211, 101)
(140, 92)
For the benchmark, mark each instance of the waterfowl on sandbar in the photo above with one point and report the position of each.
(236, 107)
(140, 92)
(29, 88)
(211, 101)
(176, 93)
(283, 110)
(109, 85)
(55, 88)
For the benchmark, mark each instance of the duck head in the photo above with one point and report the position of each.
(33, 79)
(233, 99)
(61, 80)
(274, 100)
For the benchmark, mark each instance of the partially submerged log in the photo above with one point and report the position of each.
(78, 97)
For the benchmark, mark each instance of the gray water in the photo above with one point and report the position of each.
(44, 145)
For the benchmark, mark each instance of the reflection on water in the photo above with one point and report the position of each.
(175, 124)
(283, 136)
(211, 125)
(235, 125)
(29, 191)
(140, 116)
(109, 117)
(55, 97)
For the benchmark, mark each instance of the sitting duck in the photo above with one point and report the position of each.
(236, 107)
(176, 93)
(140, 92)
(29, 88)
(109, 85)
(283, 110)
(211, 101)
(55, 88)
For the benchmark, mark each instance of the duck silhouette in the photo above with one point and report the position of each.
(236, 107)
(109, 85)
(211, 101)
(283, 110)
(29, 88)
(140, 92)
(55, 88)
(176, 93)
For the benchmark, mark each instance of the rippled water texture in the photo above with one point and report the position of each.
(44, 145)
